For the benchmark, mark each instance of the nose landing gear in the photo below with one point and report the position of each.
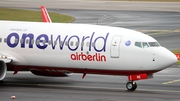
(131, 85)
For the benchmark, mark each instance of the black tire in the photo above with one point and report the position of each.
(135, 85)
(131, 86)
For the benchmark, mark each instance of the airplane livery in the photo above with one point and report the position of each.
(61, 49)
(60, 42)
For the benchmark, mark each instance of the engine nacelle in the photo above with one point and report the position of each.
(51, 73)
(3, 70)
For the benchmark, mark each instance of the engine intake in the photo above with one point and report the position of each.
(3, 70)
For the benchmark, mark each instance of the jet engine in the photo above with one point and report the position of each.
(3, 69)
(52, 73)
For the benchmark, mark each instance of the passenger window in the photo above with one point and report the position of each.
(60, 43)
(145, 45)
(66, 43)
(55, 42)
(49, 42)
(138, 44)
(0, 39)
(27, 41)
(77, 43)
(71, 43)
(82, 44)
(5, 40)
(37, 42)
(87, 44)
(32, 41)
(16, 40)
(93, 44)
(21, 41)
(44, 41)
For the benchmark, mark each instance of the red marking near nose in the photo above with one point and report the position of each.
(178, 56)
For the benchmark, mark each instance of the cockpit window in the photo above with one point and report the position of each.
(145, 44)
(138, 44)
(153, 44)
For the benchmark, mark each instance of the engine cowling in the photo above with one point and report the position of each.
(3, 70)
(51, 73)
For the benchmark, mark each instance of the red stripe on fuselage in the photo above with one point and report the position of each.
(81, 70)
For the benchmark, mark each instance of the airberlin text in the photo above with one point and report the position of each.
(42, 41)
(89, 57)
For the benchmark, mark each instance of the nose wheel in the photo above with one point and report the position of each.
(131, 85)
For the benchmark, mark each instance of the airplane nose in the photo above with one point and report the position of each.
(166, 58)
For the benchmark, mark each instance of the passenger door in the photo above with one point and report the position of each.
(115, 47)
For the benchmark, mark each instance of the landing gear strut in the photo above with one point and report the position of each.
(131, 85)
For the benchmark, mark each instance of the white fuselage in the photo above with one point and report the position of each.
(80, 46)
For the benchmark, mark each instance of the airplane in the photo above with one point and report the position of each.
(61, 49)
